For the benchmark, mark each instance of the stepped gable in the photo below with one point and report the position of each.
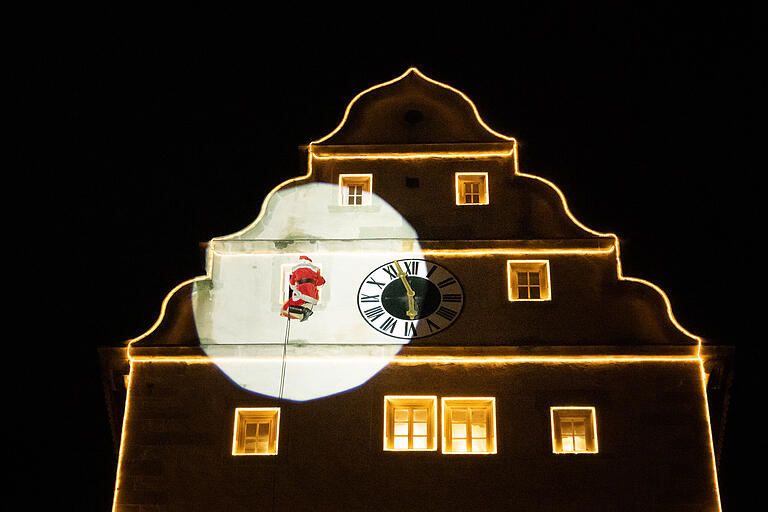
(411, 109)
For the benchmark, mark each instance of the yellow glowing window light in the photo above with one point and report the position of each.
(256, 431)
(469, 425)
(528, 280)
(574, 429)
(472, 188)
(410, 423)
(355, 189)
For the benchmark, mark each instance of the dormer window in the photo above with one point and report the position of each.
(355, 189)
(528, 280)
(471, 188)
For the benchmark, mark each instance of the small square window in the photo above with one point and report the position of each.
(471, 188)
(256, 431)
(469, 425)
(574, 430)
(355, 189)
(528, 280)
(410, 423)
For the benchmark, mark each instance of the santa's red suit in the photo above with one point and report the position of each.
(305, 278)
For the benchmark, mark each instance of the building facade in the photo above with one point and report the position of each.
(473, 346)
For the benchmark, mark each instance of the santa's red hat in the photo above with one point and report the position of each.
(304, 258)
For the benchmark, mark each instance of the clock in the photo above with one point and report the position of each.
(410, 298)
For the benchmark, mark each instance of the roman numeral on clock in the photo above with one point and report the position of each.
(390, 270)
(446, 282)
(373, 281)
(374, 313)
(446, 313)
(372, 298)
(389, 324)
(451, 297)
(411, 267)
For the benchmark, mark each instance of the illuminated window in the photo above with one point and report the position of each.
(469, 425)
(528, 280)
(355, 189)
(410, 423)
(256, 431)
(471, 188)
(574, 430)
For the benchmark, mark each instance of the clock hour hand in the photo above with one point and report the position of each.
(409, 291)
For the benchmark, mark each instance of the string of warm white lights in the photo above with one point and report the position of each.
(315, 154)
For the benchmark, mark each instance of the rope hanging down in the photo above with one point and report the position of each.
(280, 398)
(285, 352)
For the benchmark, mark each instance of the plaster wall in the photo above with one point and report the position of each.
(652, 431)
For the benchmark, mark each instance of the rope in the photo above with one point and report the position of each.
(285, 350)
(280, 398)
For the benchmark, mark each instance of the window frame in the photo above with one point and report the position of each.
(391, 402)
(345, 180)
(246, 415)
(484, 192)
(513, 286)
(489, 404)
(588, 414)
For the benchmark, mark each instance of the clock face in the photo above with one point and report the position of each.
(410, 298)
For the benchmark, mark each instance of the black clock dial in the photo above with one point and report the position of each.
(434, 302)
(427, 298)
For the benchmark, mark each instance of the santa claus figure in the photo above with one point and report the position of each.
(304, 281)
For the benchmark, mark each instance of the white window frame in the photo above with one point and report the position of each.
(347, 180)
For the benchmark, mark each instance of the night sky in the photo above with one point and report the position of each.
(155, 130)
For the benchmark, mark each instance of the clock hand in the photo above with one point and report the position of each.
(412, 312)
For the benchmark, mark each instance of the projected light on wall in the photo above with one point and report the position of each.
(341, 345)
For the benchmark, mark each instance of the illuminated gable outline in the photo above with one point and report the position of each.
(512, 152)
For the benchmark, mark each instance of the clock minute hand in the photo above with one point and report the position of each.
(409, 291)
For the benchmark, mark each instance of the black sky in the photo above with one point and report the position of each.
(154, 130)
